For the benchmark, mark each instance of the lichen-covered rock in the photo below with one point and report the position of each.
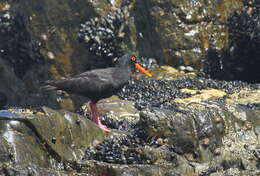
(183, 30)
(189, 123)
(175, 125)
(29, 170)
(40, 39)
(126, 170)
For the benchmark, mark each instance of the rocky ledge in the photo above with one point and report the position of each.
(175, 123)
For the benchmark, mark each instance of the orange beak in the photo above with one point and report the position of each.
(141, 69)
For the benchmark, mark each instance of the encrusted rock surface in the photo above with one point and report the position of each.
(177, 123)
(45, 139)
(48, 40)
(173, 124)
(208, 128)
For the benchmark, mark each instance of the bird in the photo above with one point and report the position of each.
(98, 84)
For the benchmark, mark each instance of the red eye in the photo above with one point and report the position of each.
(133, 58)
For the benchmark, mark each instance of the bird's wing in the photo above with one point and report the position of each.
(87, 82)
(96, 72)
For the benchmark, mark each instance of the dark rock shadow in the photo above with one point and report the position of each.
(148, 41)
(241, 61)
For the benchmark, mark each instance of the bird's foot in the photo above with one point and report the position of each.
(101, 126)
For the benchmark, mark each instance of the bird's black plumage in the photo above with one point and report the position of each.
(96, 84)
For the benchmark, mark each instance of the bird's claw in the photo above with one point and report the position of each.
(101, 126)
(104, 128)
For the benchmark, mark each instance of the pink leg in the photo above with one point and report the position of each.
(95, 117)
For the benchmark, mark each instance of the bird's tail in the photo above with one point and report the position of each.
(47, 86)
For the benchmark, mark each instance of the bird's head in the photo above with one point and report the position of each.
(130, 60)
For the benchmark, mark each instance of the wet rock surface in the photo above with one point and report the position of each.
(44, 139)
(177, 123)
(3, 100)
(245, 27)
(209, 132)
(239, 61)
(47, 40)
(160, 93)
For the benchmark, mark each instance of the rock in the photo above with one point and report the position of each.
(245, 97)
(11, 86)
(158, 155)
(29, 170)
(213, 128)
(232, 63)
(174, 123)
(45, 49)
(3, 100)
(48, 139)
(180, 28)
(125, 170)
(200, 95)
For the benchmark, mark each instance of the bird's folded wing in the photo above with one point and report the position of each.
(85, 82)
(99, 72)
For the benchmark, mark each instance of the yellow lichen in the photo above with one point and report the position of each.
(21, 111)
(201, 95)
(4, 6)
(54, 71)
(245, 96)
(189, 91)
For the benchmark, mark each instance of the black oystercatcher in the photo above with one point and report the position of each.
(99, 83)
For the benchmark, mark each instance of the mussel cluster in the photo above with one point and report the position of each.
(160, 93)
(17, 46)
(246, 22)
(123, 149)
(5, 20)
(103, 36)
(240, 61)
(116, 149)
(152, 93)
(126, 148)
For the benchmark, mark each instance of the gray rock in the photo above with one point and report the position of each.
(48, 139)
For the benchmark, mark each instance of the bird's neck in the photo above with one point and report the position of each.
(124, 67)
(124, 70)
